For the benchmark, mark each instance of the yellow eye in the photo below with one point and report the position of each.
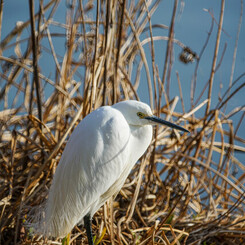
(140, 115)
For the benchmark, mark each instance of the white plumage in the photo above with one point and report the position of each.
(96, 161)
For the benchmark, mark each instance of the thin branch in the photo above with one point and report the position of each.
(169, 46)
(215, 55)
(35, 59)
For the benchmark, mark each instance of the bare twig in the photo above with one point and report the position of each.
(215, 55)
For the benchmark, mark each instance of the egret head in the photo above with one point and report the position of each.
(134, 112)
(139, 114)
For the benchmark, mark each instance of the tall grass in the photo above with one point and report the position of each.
(186, 189)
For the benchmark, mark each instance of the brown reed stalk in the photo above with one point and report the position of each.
(184, 190)
(215, 55)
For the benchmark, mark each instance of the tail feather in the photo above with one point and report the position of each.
(40, 223)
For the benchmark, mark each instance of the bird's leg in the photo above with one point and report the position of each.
(87, 225)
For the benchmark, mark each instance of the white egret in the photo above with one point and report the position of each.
(95, 163)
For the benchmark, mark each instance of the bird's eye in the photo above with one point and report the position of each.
(140, 115)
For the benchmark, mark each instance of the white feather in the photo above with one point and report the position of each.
(94, 165)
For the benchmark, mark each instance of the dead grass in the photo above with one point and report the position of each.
(187, 189)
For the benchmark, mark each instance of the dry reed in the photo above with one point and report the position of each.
(186, 189)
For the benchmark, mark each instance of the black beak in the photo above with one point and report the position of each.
(166, 123)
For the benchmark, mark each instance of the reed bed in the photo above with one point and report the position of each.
(186, 189)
